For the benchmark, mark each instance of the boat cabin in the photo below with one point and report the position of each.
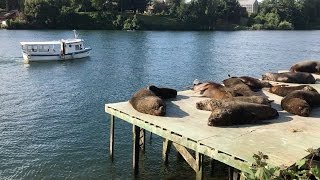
(71, 46)
(40, 47)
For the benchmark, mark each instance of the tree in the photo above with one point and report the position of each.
(98, 4)
(42, 12)
(272, 21)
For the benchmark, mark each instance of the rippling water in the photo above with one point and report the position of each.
(52, 119)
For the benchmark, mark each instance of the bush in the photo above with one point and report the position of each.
(285, 25)
(131, 24)
(257, 27)
(16, 24)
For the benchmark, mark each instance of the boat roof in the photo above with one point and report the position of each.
(72, 40)
(41, 43)
(51, 42)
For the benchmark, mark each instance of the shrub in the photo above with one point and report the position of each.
(257, 27)
(285, 25)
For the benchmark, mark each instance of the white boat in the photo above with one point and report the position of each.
(55, 50)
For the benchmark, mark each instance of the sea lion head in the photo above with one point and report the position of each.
(268, 76)
(154, 106)
(297, 106)
(275, 89)
(196, 82)
(220, 117)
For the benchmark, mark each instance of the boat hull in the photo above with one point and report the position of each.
(55, 57)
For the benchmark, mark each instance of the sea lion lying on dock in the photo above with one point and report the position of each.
(236, 113)
(254, 83)
(211, 104)
(211, 90)
(238, 87)
(306, 66)
(290, 77)
(283, 90)
(300, 102)
(148, 100)
(163, 93)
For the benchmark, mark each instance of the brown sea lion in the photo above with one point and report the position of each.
(212, 104)
(237, 113)
(254, 84)
(163, 93)
(306, 66)
(283, 90)
(238, 87)
(211, 90)
(146, 101)
(300, 102)
(290, 77)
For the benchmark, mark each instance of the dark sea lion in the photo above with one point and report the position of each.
(163, 93)
(254, 84)
(237, 113)
(290, 77)
(212, 90)
(300, 102)
(296, 106)
(238, 87)
(212, 104)
(306, 66)
(146, 101)
(283, 90)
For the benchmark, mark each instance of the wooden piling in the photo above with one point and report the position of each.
(111, 143)
(142, 139)
(136, 148)
(166, 150)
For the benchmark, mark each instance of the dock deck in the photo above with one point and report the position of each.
(285, 139)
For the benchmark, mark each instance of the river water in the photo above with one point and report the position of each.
(52, 119)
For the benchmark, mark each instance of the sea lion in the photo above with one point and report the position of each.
(163, 93)
(306, 66)
(283, 90)
(211, 90)
(254, 84)
(300, 102)
(290, 77)
(212, 104)
(236, 113)
(238, 87)
(146, 101)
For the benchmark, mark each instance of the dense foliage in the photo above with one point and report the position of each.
(287, 14)
(307, 168)
(196, 15)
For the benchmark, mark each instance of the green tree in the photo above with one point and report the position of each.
(285, 25)
(42, 12)
(272, 21)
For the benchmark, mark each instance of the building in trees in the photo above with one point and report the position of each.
(250, 5)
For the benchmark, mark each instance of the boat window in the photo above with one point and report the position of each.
(77, 47)
(23, 47)
(29, 48)
(44, 48)
(70, 45)
(34, 48)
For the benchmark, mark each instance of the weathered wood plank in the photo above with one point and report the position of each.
(187, 156)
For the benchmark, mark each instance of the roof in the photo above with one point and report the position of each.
(51, 42)
(41, 43)
(243, 2)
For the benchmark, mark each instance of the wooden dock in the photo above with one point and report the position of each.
(285, 139)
